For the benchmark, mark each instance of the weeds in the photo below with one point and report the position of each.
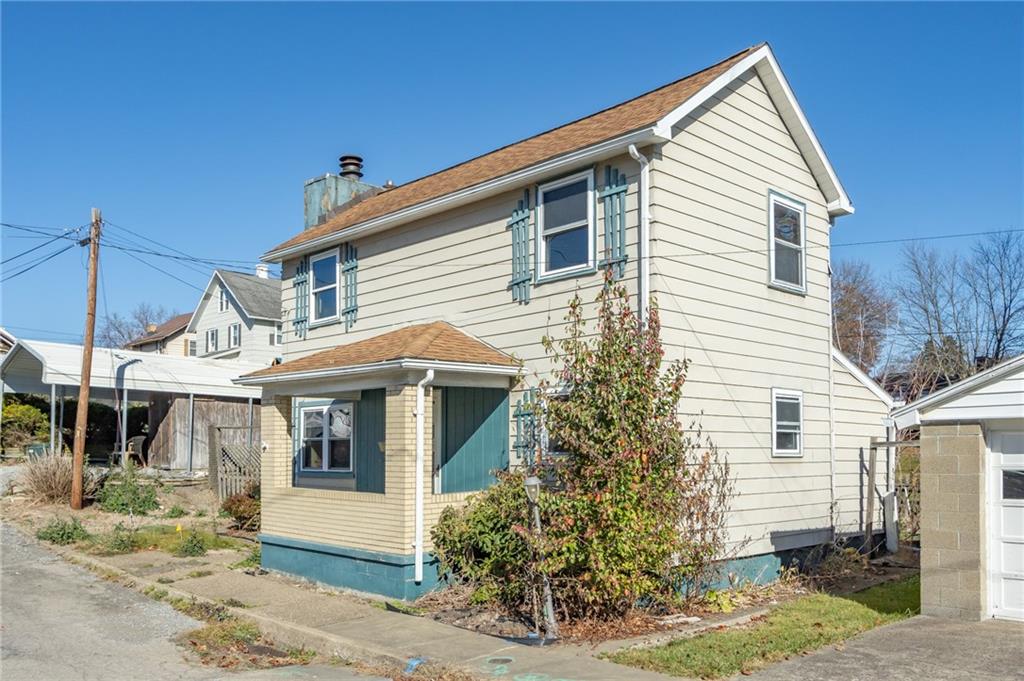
(118, 541)
(176, 512)
(192, 544)
(250, 561)
(63, 532)
(127, 494)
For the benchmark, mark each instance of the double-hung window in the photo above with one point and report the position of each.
(191, 348)
(211, 340)
(222, 302)
(234, 335)
(323, 290)
(565, 225)
(327, 438)
(277, 335)
(787, 221)
(787, 422)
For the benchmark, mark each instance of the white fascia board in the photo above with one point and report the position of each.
(190, 328)
(864, 379)
(393, 365)
(477, 192)
(914, 409)
(763, 60)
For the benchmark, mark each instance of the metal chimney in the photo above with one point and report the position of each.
(351, 166)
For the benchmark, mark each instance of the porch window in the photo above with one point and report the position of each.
(787, 423)
(234, 335)
(327, 437)
(323, 270)
(787, 222)
(211, 340)
(565, 225)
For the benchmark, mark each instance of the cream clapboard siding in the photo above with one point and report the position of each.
(710, 272)
(858, 418)
(456, 267)
(255, 335)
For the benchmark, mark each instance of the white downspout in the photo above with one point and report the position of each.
(420, 461)
(643, 238)
(833, 508)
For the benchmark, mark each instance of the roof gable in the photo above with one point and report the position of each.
(168, 328)
(256, 297)
(645, 119)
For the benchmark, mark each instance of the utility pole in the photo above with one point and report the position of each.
(78, 463)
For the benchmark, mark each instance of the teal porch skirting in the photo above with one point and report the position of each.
(387, 574)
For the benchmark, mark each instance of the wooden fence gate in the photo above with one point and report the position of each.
(234, 460)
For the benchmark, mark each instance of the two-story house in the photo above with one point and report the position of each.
(170, 338)
(239, 317)
(414, 316)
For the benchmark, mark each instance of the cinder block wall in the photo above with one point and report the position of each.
(953, 521)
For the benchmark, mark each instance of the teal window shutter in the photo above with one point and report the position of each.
(614, 197)
(369, 436)
(519, 224)
(474, 437)
(349, 265)
(301, 286)
(525, 442)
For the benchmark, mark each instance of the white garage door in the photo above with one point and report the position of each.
(1006, 525)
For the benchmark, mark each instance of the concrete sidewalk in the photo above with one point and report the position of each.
(296, 614)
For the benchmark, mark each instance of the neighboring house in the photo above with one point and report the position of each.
(411, 311)
(239, 317)
(972, 494)
(7, 341)
(169, 338)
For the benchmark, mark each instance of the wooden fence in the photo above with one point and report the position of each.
(234, 460)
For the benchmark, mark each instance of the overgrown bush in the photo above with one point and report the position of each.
(63, 532)
(244, 507)
(126, 492)
(23, 424)
(635, 512)
(47, 479)
(191, 544)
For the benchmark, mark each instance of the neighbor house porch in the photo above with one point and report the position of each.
(365, 444)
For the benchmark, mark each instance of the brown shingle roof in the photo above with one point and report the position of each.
(604, 125)
(437, 341)
(172, 325)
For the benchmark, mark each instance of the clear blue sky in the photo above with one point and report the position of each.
(196, 124)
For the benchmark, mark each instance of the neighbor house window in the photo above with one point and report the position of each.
(565, 225)
(787, 220)
(277, 335)
(787, 422)
(234, 335)
(327, 438)
(222, 303)
(191, 348)
(323, 270)
(211, 340)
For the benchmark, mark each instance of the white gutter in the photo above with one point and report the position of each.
(398, 364)
(475, 193)
(644, 238)
(420, 461)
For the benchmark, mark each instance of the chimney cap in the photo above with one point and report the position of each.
(351, 166)
(262, 271)
(150, 328)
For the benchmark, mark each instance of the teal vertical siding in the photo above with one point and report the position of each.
(369, 434)
(474, 437)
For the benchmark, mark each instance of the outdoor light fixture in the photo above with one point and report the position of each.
(532, 485)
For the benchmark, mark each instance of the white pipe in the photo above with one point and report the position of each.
(643, 239)
(832, 458)
(53, 416)
(420, 461)
(124, 426)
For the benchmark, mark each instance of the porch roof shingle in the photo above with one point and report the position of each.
(436, 341)
(604, 125)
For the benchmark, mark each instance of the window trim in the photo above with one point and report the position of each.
(323, 470)
(777, 197)
(231, 340)
(222, 301)
(798, 396)
(212, 333)
(540, 265)
(313, 319)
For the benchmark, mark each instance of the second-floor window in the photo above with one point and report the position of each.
(234, 335)
(323, 274)
(565, 225)
(277, 335)
(787, 220)
(211, 340)
(222, 301)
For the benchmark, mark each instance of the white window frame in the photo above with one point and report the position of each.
(336, 254)
(777, 198)
(540, 251)
(798, 397)
(222, 301)
(211, 346)
(277, 335)
(326, 440)
(235, 335)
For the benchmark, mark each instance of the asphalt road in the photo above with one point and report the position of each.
(59, 622)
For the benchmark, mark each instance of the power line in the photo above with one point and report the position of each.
(26, 252)
(38, 263)
(163, 271)
(180, 252)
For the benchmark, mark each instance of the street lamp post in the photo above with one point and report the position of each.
(532, 485)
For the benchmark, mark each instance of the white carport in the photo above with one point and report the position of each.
(972, 494)
(54, 369)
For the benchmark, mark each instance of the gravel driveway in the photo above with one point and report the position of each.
(60, 622)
